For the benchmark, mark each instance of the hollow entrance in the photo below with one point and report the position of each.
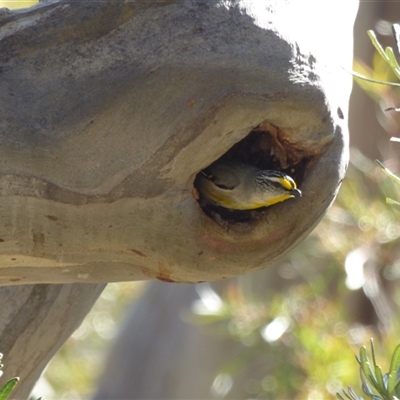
(266, 147)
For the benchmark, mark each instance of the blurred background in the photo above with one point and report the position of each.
(288, 332)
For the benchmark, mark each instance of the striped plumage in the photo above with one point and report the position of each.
(240, 186)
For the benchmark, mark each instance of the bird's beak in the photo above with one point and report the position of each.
(296, 193)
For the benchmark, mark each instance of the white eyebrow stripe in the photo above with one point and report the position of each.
(275, 179)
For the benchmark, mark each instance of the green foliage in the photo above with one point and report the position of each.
(395, 179)
(298, 337)
(374, 384)
(387, 55)
(8, 387)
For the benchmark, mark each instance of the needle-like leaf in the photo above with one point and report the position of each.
(366, 367)
(380, 387)
(393, 61)
(377, 45)
(7, 388)
(392, 202)
(357, 75)
(388, 172)
(393, 372)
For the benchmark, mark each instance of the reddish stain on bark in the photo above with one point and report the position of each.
(223, 246)
(139, 253)
(164, 273)
(164, 279)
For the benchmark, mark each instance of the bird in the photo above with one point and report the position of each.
(237, 185)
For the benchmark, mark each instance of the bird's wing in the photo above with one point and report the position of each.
(222, 176)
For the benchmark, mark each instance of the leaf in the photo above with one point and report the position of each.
(380, 387)
(393, 371)
(387, 172)
(353, 394)
(379, 378)
(391, 381)
(392, 202)
(366, 367)
(395, 362)
(357, 75)
(392, 61)
(349, 396)
(377, 45)
(387, 55)
(7, 388)
(373, 351)
(365, 387)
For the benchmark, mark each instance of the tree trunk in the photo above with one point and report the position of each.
(109, 111)
(35, 321)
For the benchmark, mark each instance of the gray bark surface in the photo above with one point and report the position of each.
(108, 111)
(158, 355)
(35, 321)
(153, 337)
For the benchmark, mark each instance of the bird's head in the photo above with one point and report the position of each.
(273, 187)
